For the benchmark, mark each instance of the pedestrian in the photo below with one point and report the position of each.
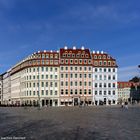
(122, 105)
(126, 105)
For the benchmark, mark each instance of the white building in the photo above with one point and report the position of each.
(104, 79)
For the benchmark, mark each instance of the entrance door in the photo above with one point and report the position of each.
(50, 102)
(43, 103)
(75, 101)
(105, 101)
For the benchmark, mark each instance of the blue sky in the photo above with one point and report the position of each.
(113, 26)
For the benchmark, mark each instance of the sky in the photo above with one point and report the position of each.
(112, 26)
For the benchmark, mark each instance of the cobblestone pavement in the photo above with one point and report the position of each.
(70, 123)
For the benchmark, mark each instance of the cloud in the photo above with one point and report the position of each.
(126, 73)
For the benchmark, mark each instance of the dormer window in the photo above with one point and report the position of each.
(43, 56)
(64, 55)
(95, 56)
(80, 61)
(68, 55)
(62, 61)
(51, 56)
(82, 55)
(85, 61)
(104, 57)
(77, 55)
(47, 56)
(73, 55)
(108, 57)
(99, 57)
(56, 55)
(86, 55)
(89, 61)
(96, 63)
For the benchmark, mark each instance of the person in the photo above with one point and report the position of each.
(122, 105)
(126, 105)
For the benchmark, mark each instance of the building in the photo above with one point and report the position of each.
(124, 89)
(1, 89)
(6, 100)
(104, 79)
(75, 76)
(69, 77)
(128, 92)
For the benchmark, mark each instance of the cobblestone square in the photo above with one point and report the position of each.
(70, 123)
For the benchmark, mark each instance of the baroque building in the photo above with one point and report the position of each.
(67, 77)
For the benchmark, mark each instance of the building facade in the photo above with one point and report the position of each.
(1, 88)
(75, 76)
(128, 92)
(104, 79)
(67, 77)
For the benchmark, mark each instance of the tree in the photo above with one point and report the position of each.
(135, 79)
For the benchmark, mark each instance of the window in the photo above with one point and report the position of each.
(42, 92)
(55, 76)
(42, 84)
(51, 92)
(46, 84)
(80, 75)
(66, 83)
(55, 92)
(80, 83)
(100, 92)
(71, 92)
(96, 85)
(71, 61)
(109, 92)
(42, 68)
(113, 92)
(85, 91)
(89, 91)
(61, 83)
(46, 68)
(85, 68)
(109, 70)
(46, 76)
(62, 68)
(71, 68)
(100, 77)
(66, 92)
(51, 76)
(62, 92)
(46, 92)
(66, 68)
(33, 92)
(42, 76)
(66, 75)
(114, 77)
(55, 69)
(71, 75)
(51, 84)
(75, 91)
(80, 91)
(113, 69)
(109, 84)
(76, 75)
(113, 84)
(75, 83)
(96, 69)
(96, 77)
(89, 75)
(104, 63)
(89, 83)
(109, 77)
(104, 84)
(104, 92)
(61, 75)
(85, 83)
(33, 84)
(71, 83)
(104, 69)
(85, 76)
(100, 85)
(100, 69)
(55, 84)
(80, 68)
(96, 92)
